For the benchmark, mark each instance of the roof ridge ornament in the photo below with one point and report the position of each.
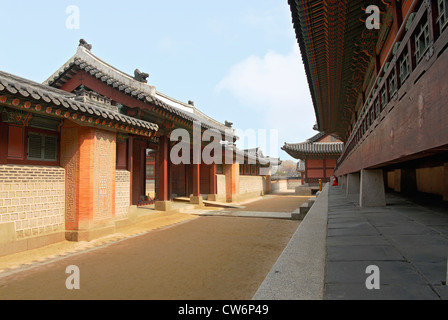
(83, 43)
(228, 124)
(141, 76)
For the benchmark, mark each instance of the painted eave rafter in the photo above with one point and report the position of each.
(335, 44)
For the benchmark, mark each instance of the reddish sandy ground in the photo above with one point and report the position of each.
(207, 258)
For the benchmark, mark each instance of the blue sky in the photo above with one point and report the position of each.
(237, 60)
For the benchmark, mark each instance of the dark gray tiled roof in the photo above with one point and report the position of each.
(253, 156)
(302, 150)
(254, 152)
(317, 137)
(316, 148)
(116, 84)
(125, 84)
(313, 147)
(257, 153)
(19, 87)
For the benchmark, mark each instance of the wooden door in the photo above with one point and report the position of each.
(178, 180)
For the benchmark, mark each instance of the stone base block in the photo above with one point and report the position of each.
(7, 232)
(197, 200)
(296, 215)
(162, 205)
(353, 183)
(372, 191)
(212, 197)
(89, 235)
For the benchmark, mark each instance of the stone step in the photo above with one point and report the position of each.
(301, 213)
(311, 202)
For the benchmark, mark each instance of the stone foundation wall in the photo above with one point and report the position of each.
(279, 185)
(251, 187)
(285, 184)
(32, 200)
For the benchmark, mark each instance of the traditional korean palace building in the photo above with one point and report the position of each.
(383, 92)
(318, 157)
(80, 151)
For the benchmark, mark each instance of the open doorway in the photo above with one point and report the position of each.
(150, 175)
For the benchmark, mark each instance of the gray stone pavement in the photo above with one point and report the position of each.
(328, 256)
(408, 242)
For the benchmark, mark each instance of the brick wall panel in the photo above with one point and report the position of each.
(33, 198)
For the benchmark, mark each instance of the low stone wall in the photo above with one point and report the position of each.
(251, 187)
(32, 204)
(280, 185)
(294, 183)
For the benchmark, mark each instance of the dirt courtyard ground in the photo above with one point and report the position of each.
(205, 258)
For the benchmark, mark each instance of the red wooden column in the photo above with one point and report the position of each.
(163, 169)
(131, 164)
(163, 203)
(398, 15)
(3, 142)
(196, 198)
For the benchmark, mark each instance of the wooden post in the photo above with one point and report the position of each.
(353, 183)
(163, 203)
(432, 13)
(377, 64)
(131, 164)
(197, 197)
(3, 142)
(398, 15)
(163, 169)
